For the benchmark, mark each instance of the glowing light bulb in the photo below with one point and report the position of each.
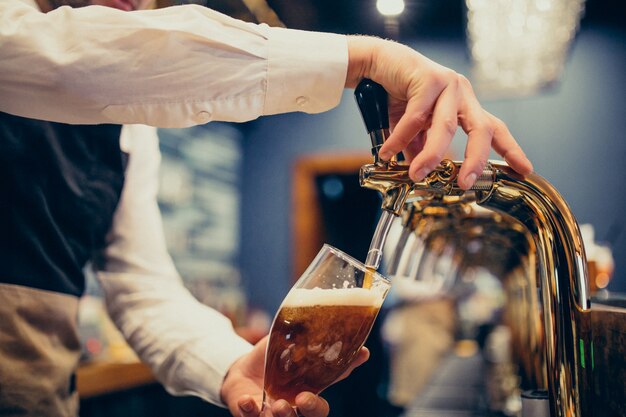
(390, 7)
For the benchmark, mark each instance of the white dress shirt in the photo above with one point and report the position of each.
(173, 67)
(189, 346)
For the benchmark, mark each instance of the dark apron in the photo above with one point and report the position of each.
(59, 188)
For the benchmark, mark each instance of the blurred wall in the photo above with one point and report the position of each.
(574, 134)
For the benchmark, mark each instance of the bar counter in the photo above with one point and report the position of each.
(100, 378)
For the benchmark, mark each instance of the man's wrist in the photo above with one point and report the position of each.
(227, 383)
(362, 51)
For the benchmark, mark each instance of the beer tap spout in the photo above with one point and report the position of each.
(375, 253)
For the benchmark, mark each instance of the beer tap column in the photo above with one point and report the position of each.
(371, 98)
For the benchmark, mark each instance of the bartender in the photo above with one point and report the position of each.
(81, 91)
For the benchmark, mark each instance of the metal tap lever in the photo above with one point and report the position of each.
(371, 98)
(393, 182)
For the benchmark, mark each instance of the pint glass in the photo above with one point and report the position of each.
(321, 325)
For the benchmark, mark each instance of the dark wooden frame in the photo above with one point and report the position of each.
(307, 232)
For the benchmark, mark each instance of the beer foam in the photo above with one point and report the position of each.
(301, 297)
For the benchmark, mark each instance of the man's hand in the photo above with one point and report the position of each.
(427, 102)
(242, 389)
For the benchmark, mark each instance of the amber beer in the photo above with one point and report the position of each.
(315, 336)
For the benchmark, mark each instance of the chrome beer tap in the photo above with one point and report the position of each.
(391, 178)
(553, 260)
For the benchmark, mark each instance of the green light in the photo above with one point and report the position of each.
(582, 352)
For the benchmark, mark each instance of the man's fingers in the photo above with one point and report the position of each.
(428, 159)
(310, 405)
(362, 357)
(480, 130)
(516, 158)
(248, 406)
(484, 132)
(506, 146)
(281, 408)
(476, 156)
(415, 147)
(415, 119)
(442, 130)
(444, 121)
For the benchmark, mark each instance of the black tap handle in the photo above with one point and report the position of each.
(371, 98)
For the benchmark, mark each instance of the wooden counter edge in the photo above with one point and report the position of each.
(99, 378)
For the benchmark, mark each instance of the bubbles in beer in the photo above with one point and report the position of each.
(316, 334)
(332, 353)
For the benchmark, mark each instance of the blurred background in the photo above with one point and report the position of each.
(247, 206)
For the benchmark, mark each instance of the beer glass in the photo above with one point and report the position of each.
(321, 325)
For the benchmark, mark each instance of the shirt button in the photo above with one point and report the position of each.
(301, 101)
(203, 117)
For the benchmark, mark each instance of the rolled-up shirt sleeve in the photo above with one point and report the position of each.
(188, 345)
(172, 67)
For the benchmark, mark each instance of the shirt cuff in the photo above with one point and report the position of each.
(306, 70)
(201, 377)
